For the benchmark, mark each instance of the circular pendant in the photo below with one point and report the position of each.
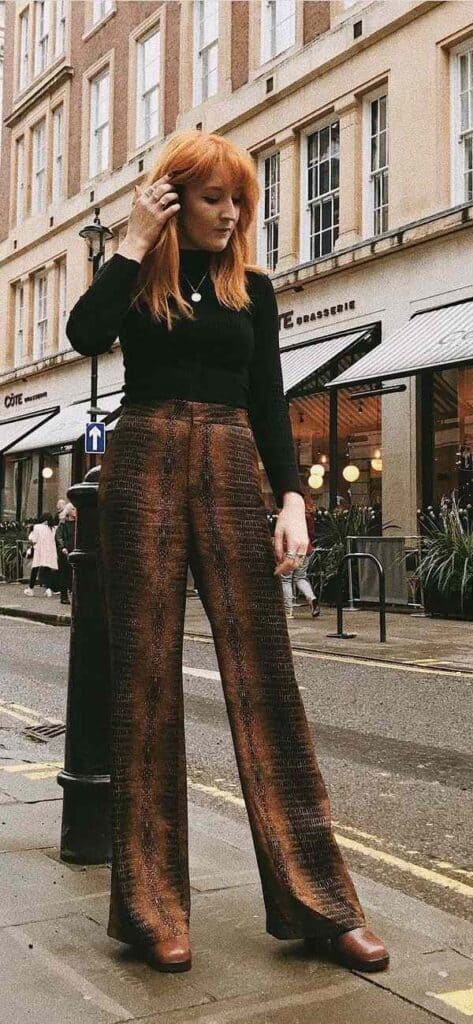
(196, 297)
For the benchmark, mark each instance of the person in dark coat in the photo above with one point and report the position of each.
(65, 541)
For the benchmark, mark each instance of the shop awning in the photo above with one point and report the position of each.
(433, 339)
(302, 361)
(66, 427)
(16, 428)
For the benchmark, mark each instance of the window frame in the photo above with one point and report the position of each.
(40, 306)
(24, 54)
(154, 30)
(318, 126)
(457, 191)
(265, 224)
(19, 354)
(93, 171)
(199, 52)
(34, 130)
(268, 31)
(42, 6)
(368, 183)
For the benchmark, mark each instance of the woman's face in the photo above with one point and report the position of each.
(205, 210)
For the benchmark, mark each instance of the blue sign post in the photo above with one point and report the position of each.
(94, 438)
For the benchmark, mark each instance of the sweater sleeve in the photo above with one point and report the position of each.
(268, 409)
(94, 321)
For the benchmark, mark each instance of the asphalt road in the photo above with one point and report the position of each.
(394, 745)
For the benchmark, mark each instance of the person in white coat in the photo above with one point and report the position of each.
(42, 537)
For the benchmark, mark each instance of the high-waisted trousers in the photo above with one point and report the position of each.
(180, 485)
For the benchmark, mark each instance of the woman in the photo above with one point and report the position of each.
(65, 540)
(44, 556)
(180, 485)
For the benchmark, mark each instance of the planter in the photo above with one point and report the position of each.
(447, 606)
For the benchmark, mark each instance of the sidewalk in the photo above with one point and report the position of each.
(411, 638)
(60, 967)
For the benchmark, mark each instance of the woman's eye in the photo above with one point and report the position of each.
(211, 199)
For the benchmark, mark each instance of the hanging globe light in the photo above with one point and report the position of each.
(323, 459)
(47, 473)
(377, 464)
(315, 481)
(351, 473)
(317, 469)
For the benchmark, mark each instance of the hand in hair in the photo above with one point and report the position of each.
(148, 217)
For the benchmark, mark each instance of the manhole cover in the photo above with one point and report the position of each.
(44, 732)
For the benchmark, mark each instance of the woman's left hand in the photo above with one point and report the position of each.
(291, 533)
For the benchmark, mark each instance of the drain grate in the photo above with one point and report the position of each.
(44, 732)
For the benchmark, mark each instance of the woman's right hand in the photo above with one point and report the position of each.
(148, 217)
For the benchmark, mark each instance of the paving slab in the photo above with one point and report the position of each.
(432, 980)
(36, 885)
(343, 1003)
(40, 828)
(73, 977)
(30, 781)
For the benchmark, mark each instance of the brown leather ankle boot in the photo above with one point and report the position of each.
(169, 954)
(360, 949)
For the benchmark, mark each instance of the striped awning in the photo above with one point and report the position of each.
(301, 361)
(17, 427)
(67, 426)
(431, 340)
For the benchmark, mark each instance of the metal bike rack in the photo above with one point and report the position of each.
(340, 635)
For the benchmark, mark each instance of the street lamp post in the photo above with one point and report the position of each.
(85, 779)
(96, 235)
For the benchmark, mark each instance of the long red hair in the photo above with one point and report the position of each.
(192, 156)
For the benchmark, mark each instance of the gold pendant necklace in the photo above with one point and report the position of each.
(196, 296)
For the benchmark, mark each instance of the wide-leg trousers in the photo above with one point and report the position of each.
(179, 485)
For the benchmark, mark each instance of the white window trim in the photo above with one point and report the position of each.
(57, 168)
(102, 17)
(92, 170)
(24, 55)
(60, 19)
(19, 340)
(39, 207)
(198, 96)
(38, 351)
(155, 30)
(62, 341)
(20, 169)
(304, 210)
(265, 43)
(456, 148)
(38, 70)
(262, 235)
(367, 190)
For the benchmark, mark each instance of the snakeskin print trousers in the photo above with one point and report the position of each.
(180, 485)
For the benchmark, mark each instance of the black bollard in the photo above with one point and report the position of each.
(85, 779)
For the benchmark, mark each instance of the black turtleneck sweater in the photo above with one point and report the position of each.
(227, 356)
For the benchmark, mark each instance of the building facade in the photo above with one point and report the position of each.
(359, 117)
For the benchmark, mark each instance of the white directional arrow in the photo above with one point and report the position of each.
(95, 433)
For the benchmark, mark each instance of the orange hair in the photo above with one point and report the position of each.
(192, 156)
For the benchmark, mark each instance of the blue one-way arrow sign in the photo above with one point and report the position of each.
(95, 438)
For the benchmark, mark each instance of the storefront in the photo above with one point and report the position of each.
(42, 450)
(337, 433)
(387, 420)
(437, 346)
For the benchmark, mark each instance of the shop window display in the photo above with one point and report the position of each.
(453, 435)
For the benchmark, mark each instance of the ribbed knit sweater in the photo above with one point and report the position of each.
(226, 356)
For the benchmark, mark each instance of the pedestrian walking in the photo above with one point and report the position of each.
(65, 542)
(44, 556)
(60, 506)
(180, 484)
